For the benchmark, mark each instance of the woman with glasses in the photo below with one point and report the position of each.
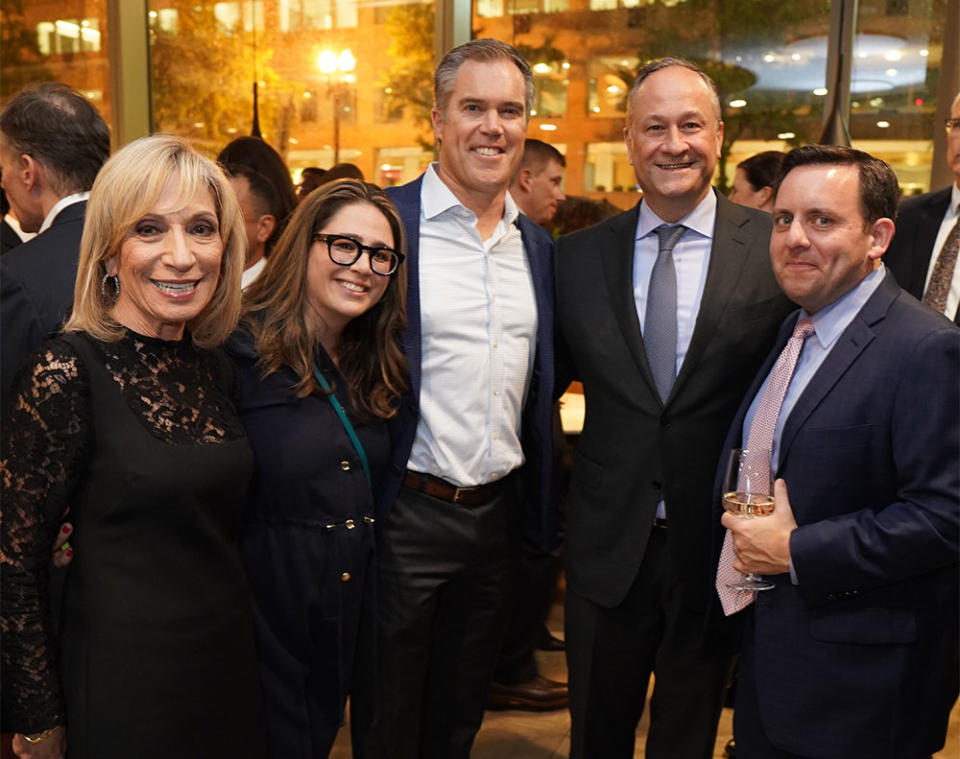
(319, 373)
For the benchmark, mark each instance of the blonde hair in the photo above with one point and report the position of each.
(277, 311)
(127, 188)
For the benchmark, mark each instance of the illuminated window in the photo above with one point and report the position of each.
(68, 36)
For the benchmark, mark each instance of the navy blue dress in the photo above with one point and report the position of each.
(308, 550)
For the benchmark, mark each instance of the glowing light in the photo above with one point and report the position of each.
(769, 58)
(883, 124)
(549, 127)
(892, 55)
(820, 91)
(786, 136)
(541, 68)
(739, 103)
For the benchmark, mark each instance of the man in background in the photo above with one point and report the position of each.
(923, 254)
(260, 206)
(52, 144)
(517, 683)
(537, 187)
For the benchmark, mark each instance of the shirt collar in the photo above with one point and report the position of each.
(955, 198)
(436, 198)
(701, 218)
(830, 321)
(69, 200)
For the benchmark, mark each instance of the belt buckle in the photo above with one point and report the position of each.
(457, 493)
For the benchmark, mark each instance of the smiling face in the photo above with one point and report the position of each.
(821, 247)
(168, 264)
(481, 131)
(673, 137)
(338, 293)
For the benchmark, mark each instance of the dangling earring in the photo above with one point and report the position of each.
(116, 287)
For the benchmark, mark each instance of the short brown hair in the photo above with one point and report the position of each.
(277, 311)
(879, 188)
(485, 50)
(128, 187)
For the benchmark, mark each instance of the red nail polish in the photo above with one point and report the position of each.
(66, 529)
(69, 553)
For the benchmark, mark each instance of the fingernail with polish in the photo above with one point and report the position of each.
(66, 529)
(69, 553)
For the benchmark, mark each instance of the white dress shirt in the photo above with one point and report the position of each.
(69, 200)
(252, 272)
(949, 219)
(478, 318)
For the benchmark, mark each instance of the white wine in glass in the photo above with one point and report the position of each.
(748, 493)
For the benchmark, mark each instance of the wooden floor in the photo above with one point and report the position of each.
(529, 735)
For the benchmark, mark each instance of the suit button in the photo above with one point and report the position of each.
(345, 465)
(345, 577)
(665, 424)
(349, 524)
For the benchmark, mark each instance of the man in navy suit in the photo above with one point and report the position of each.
(854, 652)
(924, 224)
(52, 144)
(471, 457)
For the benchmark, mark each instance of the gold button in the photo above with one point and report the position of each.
(345, 577)
(345, 465)
(349, 524)
(368, 520)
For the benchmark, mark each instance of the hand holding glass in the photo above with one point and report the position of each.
(748, 493)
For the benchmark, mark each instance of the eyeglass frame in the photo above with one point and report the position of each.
(361, 249)
(951, 124)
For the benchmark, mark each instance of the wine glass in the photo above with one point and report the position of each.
(748, 494)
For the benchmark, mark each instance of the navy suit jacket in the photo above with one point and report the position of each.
(536, 422)
(860, 659)
(910, 251)
(36, 291)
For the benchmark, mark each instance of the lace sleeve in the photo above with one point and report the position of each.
(44, 446)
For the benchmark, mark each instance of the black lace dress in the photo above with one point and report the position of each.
(155, 656)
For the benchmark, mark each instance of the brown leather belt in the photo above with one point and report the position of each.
(445, 491)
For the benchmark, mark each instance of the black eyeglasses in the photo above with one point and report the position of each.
(952, 124)
(344, 251)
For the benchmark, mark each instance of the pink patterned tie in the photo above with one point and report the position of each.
(760, 439)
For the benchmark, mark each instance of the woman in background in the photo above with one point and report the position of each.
(127, 419)
(754, 180)
(320, 371)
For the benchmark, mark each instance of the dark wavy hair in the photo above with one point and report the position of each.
(276, 308)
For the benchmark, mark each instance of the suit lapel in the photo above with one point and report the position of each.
(407, 200)
(927, 227)
(618, 273)
(850, 345)
(727, 260)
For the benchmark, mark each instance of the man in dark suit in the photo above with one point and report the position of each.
(927, 230)
(854, 653)
(52, 144)
(665, 342)
(471, 443)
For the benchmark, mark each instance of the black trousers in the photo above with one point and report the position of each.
(444, 573)
(611, 654)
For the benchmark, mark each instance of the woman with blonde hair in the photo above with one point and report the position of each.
(319, 372)
(127, 420)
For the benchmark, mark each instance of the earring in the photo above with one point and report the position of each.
(116, 287)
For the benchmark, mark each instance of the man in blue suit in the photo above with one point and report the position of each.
(854, 653)
(471, 459)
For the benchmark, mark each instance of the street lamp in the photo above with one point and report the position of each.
(337, 68)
